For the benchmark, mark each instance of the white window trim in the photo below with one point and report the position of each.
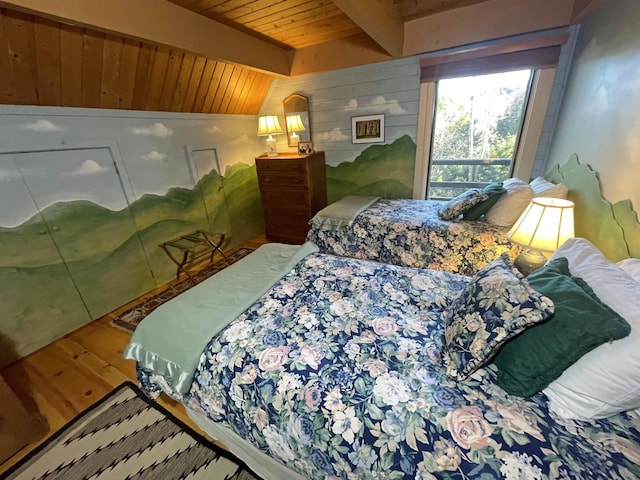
(529, 138)
(532, 125)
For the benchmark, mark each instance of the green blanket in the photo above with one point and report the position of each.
(341, 213)
(170, 340)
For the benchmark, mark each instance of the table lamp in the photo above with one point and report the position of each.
(294, 125)
(544, 225)
(269, 125)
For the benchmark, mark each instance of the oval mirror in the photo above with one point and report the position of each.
(297, 119)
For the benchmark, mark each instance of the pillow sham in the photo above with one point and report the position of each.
(631, 267)
(497, 305)
(543, 188)
(456, 206)
(493, 190)
(529, 362)
(606, 380)
(510, 205)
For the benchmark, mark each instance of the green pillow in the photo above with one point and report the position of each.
(581, 322)
(494, 190)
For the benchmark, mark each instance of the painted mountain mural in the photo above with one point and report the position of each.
(76, 260)
(381, 170)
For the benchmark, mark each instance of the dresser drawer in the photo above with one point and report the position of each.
(275, 196)
(283, 178)
(292, 189)
(283, 231)
(281, 165)
(275, 213)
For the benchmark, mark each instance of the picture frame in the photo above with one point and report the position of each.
(367, 128)
(305, 148)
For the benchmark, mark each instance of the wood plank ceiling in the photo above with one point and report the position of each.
(220, 56)
(287, 24)
(52, 64)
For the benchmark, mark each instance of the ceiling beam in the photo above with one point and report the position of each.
(355, 50)
(484, 21)
(164, 23)
(583, 9)
(379, 19)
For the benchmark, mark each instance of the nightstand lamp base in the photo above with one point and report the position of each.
(272, 151)
(529, 261)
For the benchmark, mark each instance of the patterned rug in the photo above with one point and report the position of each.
(130, 319)
(126, 435)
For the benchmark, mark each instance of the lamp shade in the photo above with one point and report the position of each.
(545, 224)
(294, 123)
(269, 125)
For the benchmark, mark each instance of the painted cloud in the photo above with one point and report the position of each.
(42, 126)
(154, 156)
(378, 104)
(88, 167)
(157, 130)
(334, 135)
(241, 140)
(6, 175)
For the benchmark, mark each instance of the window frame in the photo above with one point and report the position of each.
(527, 145)
(538, 51)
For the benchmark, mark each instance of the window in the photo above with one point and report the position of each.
(476, 130)
(481, 112)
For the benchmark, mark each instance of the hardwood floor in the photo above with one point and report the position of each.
(65, 377)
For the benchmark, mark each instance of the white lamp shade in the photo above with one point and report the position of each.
(294, 124)
(269, 125)
(545, 224)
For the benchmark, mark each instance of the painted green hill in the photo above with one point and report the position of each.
(85, 230)
(243, 203)
(383, 170)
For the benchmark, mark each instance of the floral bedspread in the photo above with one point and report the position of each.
(336, 372)
(410, 233)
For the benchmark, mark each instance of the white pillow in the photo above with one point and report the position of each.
(606, 380)
(632, 267)
(511, 204)
(543, 188)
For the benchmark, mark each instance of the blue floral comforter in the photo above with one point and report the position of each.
(336, 372)
(410, 233)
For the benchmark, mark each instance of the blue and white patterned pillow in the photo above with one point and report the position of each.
(497, 305)
(460, 204)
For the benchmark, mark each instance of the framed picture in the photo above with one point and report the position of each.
(367, 129)
(305, 148)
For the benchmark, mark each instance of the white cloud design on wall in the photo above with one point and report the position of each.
(378, 104)
(334, 135)
(157, 130)
(42, 126)
(241, 140)
(88, 167)
(154, 156)
(215, 129)
(6, 175)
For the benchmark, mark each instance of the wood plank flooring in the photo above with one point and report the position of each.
(65, 377)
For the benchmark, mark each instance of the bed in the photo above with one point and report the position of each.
(337, 371)
(410, 233)
(308, 365)
(415, 233)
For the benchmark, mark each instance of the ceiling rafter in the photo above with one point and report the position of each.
(379, 19)
(189, 31)
(206, 56)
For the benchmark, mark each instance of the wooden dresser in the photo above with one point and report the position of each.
(293, 188)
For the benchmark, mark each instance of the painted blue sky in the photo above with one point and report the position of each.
(151, 154)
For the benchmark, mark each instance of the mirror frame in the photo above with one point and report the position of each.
(297, 103)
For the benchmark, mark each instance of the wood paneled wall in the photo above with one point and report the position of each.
(48, 63)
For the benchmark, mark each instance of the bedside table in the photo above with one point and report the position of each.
(292, 188)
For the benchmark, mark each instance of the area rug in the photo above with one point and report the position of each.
(127, 436)
(129, 319)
